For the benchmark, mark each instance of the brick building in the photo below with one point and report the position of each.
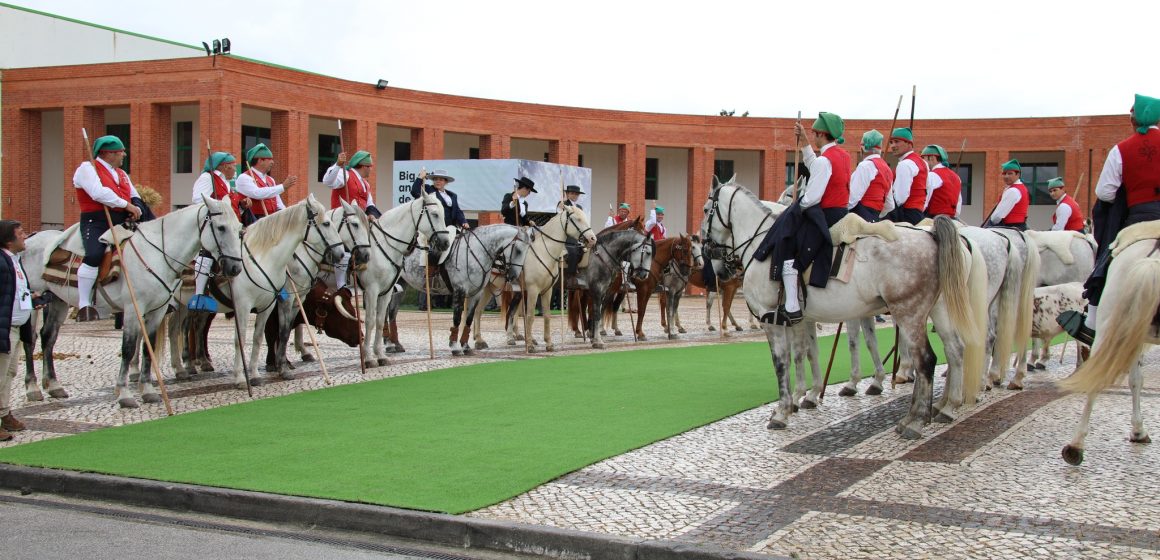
(168, 108)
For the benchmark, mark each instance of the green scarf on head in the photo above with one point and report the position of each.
(902, 134)
(1056, 182)
(108, 143)
(359, 158)
(660, 209)
(936, 150)
(1146, 111)
(1013, 165)
(872, 139)
(831, 123)
(259, 151)
(217, 158)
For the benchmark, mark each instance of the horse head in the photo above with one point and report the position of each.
(576, 225)
(697, 250)
(221, 235)
(355, 232)
(641, 257)
(427, 214)
(515, 253)
(318, 221)
(683, 253)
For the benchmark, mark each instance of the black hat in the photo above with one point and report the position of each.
(525, 183)
(574, 188)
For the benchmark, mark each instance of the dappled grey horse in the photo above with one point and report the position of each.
(612, 248)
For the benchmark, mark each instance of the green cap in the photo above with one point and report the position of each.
(902, 134)
(936, 150)
(108, 143)
(1013, 165)
(832, 123)
(625, 205)
(660, 209)
(1056, 182)
(1146, 111)
(872, 139)
(259, 151)
(361, 157)
(217, 158)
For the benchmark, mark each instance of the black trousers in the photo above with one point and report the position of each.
(869, 214)
(93, 226)
(906, 215)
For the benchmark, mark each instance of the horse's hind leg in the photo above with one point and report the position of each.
(870, 334)
(1136, 382)
(730, 293)
(850, 388)
(54, 316)
(1073, 452)
(456, 322)
(810, 343)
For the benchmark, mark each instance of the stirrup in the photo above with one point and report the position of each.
(782, 317)
(202, 304)
(87, 313)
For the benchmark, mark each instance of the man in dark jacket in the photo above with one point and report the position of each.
(452, 217)
(518, 197)
(16, 306)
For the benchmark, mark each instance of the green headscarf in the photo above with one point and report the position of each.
(1146, 110)
(359, 158)
(936, 150)
(625, 205)
(259, 151)
(108, 143)
(217, 158)
(660, 209)
(872, 139)
(1013, 165)
(1056, 182)
(902, 134)
(831, 123)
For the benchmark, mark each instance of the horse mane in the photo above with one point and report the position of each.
(636, 223)
(262, 235)
(741, 189)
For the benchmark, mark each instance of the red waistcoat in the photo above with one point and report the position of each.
(657, 231)
(269, 205)
(120, 186)
(917, 200)
(1018, 214)
(1075, 221)
(1141, 178)
(358, 191)
(945, 199)
(221, 191)
(875, 197)
(837, 193)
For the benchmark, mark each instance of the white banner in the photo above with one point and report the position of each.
(481, 183)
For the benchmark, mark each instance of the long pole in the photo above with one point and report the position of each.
(563, 314)
(237, 327)
(894, 121)
(796, 155)
(833, 351)
(523, 285)
(959, 161)
(362, 364)
(913, 91)
(309, 331)
(132, 292)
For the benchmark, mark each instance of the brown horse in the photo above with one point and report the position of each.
(728, 288)
(578, 296)
(672, 255)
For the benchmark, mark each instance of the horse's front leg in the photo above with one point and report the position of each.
(510, 312)
(241, 321)
(663, 303)
(595, 317)
(146, 386)
(471, 316)
(456, 322)
(256, 344)
(850, 388)
(546, 305)
(31, 390)
(643, 293)
(1136, 382)
(676, 312)
(130, 343)
(477, 318)
(779, 350)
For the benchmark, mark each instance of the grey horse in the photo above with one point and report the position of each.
(613, 247)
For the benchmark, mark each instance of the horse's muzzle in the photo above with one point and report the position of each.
(360, 255)
(230, 267)
(334, 254)
(641, 274)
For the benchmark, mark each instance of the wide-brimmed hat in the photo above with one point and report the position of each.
(573, 188)
(441, 174)
(525, 183)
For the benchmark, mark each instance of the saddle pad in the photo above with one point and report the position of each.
(69, 242)
(852, 227)
(1134, 233)
(64, 272)
(842, 268)
(1059, 242)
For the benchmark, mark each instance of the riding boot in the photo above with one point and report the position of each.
(86, 280)
(789, 282)
(1078, 326)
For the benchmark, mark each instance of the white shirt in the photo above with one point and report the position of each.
(1062, 214)
(1011, 197)
(933, 181)
(1112, 177)
(203, 187)
(652, 222)
(335, 178)
(860, 181)
(611, 221)
(86, 178)
(904, 174)
(246, 185)
(820, 171)
(22, 305)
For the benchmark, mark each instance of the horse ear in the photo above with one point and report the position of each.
(560, 206)
(733, 179)
(716, 182)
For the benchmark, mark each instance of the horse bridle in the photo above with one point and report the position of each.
(570, 222)
(641, 247)
(408, 245)
(344, 224)
(733, 254)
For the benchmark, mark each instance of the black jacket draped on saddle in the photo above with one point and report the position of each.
(804, 236)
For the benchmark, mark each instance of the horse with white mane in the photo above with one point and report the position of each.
(906, 277)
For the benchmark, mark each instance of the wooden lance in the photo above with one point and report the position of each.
(362, 364)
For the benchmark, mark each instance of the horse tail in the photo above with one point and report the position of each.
(1008, 312)
(1026, 310)
(1121, 340)
(952, 277)
(975, 350)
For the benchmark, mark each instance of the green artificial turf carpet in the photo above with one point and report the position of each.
(452, 440)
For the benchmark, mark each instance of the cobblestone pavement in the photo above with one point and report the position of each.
(837, 484)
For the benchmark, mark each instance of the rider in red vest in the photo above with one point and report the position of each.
(1011, 211)
(259, 186)
(1129, 193)
(1067, 214)
(944, 188)
(100, 184)
(909, 190)
(621, 215)
(214, 182)
(870, 183)
(349, 182)
(655, 225)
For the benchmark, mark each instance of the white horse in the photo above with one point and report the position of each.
(906, 277)
(1125, 328)
(268, 247)
(1064, 256)
(154, 259)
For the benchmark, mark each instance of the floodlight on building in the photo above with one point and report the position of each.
(382, 84)
(225, 46)
(220, 46)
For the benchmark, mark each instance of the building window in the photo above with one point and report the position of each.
(473, 153)
(580, 160)
(252, 136)
(723, 169)
(328, 149)
(183, 148)
(402, 151)
(651, 183)
(802, 170)
(123, 132)
(547, 157)
(1035, 176)
(965, 172)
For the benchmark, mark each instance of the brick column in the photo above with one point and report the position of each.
(152, 145)
(362, 135)
(700, 178)
(565, 152)
(992, 179)
(427, 143)
(772, 164)
(494, 146)
(219, 122)
(21, 199)
(75, 118)
(630, 176)
(290, 136)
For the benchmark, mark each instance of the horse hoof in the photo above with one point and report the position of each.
(128, 402)
(1013, 386)
(712, 328)
(673, 337)
(150, 398)
(598, 345)
(257, 381)
(899, 380)
(617, 332)
(794, 408)
(511, 342)
(754, 327)
(908, 433)
(531, 349)
(738, 328)
(207, 367)
(549, 348)
(1138, 438)
(308, 357)
(290, 365)
(848, 392)
(808, 404)
(775, 424)
(33, 396)
(481, 345)
(287, 376)
(943, 418)
(383, 362)
(457, 352)
(519, 338)
(641, 336)
(997, 382)
(577, 334)
(1072, 455)
(681, 330)
(873, 390)
(240, 386)
(467, 351)
(370, 364)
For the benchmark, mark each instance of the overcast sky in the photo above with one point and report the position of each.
(981, 58)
